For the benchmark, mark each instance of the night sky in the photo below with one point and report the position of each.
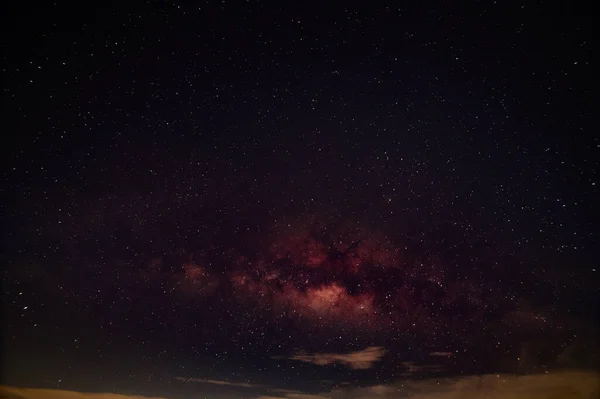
(244, 200)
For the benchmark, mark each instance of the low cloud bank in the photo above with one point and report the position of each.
(555, 385)
(36, 393)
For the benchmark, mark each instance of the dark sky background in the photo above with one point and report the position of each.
(231, 199)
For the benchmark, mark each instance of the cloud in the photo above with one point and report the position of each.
(35, 393)
(561, 384)
(441, 354)
(289, 393)
(295, 396)
(219, 382)
(411, 368)
(359, 360)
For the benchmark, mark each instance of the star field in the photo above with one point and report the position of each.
(261, 201)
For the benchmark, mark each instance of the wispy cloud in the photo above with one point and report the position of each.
(412, 368)
(295, 396)
(441, 354)
(220, 382)
(359, 360)
(288, 393)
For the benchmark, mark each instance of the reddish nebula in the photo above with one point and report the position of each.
(345, 276)
(303, 249)
(196, 280)
(305, 272)
(332, 300)
(342, 249)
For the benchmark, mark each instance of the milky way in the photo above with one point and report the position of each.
(348, 278)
